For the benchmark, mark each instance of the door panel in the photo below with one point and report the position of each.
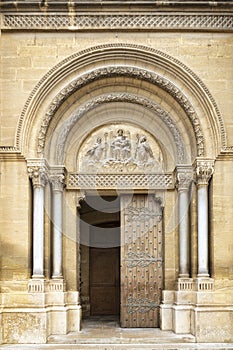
(104, 281)
(141, 260)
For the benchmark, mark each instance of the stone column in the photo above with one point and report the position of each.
(38, 173)
(204, 171)
(184, 178)
(58, 181)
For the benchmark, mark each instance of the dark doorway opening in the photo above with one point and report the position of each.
(100, 255)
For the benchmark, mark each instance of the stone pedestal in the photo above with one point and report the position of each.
(46, 309)
(199, 310)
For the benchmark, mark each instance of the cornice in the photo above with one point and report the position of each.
(117, 17)
(67, 5)
(226, 155)
(10, 153)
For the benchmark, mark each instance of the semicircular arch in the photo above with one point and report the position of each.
(180, 75)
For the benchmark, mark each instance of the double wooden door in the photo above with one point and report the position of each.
(130, 282)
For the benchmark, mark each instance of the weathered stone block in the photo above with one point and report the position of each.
(214, 325)
(26, 326)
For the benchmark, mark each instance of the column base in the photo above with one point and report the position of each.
(203, 275)
(57, 277)
(38, 277)
(57, 285)
(185, 284)
(204, 284)
(37, 285)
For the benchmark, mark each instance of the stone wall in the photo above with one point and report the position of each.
(27, 55)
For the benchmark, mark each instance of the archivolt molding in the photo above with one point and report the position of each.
(120, 97)
(140, 52)
(134, 72)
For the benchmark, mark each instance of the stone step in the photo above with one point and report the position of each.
(106, 334)
(160, 346)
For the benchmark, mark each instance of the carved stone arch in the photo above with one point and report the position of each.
(148, 56)
(166, 118)
(135, 72)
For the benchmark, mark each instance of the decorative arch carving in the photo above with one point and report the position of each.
(141, 52)
(121, 97)
(134, 72)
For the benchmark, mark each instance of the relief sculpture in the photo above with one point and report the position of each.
(119, 150)
(143, 151)
(121, 147)
(96, 152)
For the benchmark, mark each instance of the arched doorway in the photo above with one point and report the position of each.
(139, 107)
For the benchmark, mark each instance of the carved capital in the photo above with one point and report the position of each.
(204, 171)
(184, 177)
(57, 178)
(38, 174)
(58, 182)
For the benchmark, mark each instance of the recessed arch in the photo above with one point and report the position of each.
(121, 97)
(76, 70)
(121, 71)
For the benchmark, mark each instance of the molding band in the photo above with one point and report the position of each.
(214, 22)
(120, 181)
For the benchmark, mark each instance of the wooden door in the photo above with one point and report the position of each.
(104, 281)
(141, 260)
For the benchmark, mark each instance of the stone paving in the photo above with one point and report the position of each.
(106, 334)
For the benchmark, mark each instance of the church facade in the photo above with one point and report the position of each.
(116, 167)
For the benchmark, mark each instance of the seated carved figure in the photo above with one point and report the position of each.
(121, 146)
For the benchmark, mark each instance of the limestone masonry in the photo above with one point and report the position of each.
(116, 151)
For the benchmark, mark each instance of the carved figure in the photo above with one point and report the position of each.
(143, 151)
(126, 148)
(121, 146)
(95, 153)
